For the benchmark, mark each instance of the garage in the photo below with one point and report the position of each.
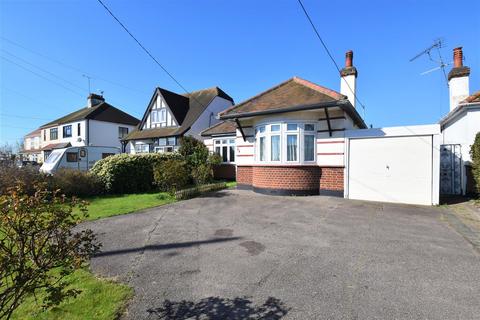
(398, 164)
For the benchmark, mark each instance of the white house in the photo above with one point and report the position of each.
(97, 124)
(169, 116)
(299, 138)
(459, 128)
(32, 147)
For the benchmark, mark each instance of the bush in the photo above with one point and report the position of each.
(76, 183)
(124, 173)
(27, 177)
(194, 151)
(39, 248)
(195, 191)
(171, 175)
(475, 155)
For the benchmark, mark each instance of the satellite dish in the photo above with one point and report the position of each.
(79, 140)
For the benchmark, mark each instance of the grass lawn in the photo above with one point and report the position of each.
(112, 205)
(100, 299)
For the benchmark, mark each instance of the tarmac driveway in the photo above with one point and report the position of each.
(239, 255)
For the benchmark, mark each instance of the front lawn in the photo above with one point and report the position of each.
(112, 205)
(100, 299)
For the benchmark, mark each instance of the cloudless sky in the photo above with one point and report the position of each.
(244, 47)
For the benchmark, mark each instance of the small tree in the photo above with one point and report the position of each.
(194, 151)
(475, 155)
(38, 248)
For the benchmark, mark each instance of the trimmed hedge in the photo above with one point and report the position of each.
(124, 173)
(475, 155)
(195, 191)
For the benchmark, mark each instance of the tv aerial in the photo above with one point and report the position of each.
(434, 50)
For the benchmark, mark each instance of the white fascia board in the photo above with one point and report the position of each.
(429, 129)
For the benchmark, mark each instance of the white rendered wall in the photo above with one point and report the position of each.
(73, 140)
(209, 116)
(105, 134)
(159, 104)
(459, 90)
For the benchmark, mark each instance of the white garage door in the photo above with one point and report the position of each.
(391, 169)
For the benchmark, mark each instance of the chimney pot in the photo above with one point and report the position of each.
(458, 57)
(349, 59)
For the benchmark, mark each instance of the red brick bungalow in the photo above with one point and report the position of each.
(289, 140)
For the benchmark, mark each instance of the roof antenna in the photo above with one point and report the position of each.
(88, 78)
(436, 46)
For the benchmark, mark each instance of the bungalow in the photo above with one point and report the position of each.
(169, 116)
(300, 138)
(97, 124)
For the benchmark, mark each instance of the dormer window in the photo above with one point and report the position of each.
(159, 116)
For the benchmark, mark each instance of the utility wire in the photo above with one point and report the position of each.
(68, 66)
(9, 115)
(328, 52)
(147, 52)
(42, 76)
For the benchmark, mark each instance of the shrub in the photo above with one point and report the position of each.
(197, 190)
(38, 248)
(475, 155)
(76, 183)
(124, 173)
(171, 175)
(27, 177)
(194, 151)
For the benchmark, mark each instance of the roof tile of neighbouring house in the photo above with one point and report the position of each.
(102, 112)
(291, 93)
(185, 108)
(223, 127)
(60, 145)
(34, 133)
(472, 98)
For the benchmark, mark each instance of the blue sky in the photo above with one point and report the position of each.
(244, 47)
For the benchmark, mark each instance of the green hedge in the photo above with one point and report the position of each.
(124, 173)
(475, 155)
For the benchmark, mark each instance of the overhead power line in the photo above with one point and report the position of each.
(9, 115)
(328, 51)
(145, 49)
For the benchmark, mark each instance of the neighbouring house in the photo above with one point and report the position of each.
(32, 146)
(299, 138)
(97, 124)
(221, 139)
(169, 116)
(459, 128)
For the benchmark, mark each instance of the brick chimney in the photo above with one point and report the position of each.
(458, 79)
(348, 75)
(94, 99)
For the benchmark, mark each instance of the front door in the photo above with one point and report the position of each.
(450, 169)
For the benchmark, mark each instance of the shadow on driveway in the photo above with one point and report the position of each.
(215, 308)
(166, 246)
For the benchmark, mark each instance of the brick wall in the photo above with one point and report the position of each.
(286, 177)
(244, 175)
(331, 178)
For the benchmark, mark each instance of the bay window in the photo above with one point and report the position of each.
(288, 142)
(225, 148)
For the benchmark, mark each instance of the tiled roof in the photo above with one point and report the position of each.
(220, 128)
(60, 145)
(102, 112)
(34, 133)
(472, 98)
(291, 93)
(185, 108)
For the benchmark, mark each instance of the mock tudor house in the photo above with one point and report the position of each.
(299, 138)
(169, 116)
(31, 146)
(459, 128)
(97, 124)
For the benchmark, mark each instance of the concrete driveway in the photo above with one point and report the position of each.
(239, 255)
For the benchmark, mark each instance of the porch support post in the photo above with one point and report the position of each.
(328, 122)
(241, 129)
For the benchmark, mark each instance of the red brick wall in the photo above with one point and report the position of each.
(331, 178)
(244, 175)
(224, 171)
(286, 177)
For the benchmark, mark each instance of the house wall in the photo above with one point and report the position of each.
(106, 134)
(73, 139)
(208, 117)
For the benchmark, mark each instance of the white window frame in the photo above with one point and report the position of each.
(142, 148)
(300, 133)
(225, 142)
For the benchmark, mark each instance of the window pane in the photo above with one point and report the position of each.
(292, 147)
(261, 129)
(292, 126)
(162, 141)
(72, 157)
(232, 154)
(154, 116)
(217, 150)
(171, 141)
(275, 127)
(275, 146)
(309, 148)
(224, 154)
(162, 115)
(262, 148)
(217, 142)
(231, 141)
(309, 127)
